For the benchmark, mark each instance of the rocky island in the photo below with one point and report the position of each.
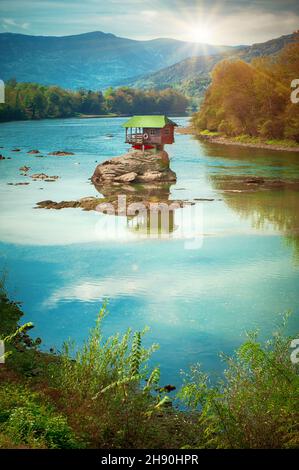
(136, 166)
(142, 177)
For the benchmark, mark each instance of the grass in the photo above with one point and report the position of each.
(247, 139)
(271, 142)
(105, 395)
(26, 419)
(283, 143)
(206, 132)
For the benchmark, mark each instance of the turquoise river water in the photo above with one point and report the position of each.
(230, 266)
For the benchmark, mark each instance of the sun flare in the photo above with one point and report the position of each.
(201, 34)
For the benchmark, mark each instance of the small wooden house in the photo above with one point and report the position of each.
(148, 132)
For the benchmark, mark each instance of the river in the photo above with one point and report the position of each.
(230, 267)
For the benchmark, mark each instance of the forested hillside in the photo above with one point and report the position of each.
(253, 99)
(192, 75)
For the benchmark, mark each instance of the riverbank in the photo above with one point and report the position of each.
(106, 396)
(98, 116)
(80, 116)
(247, 141)
(242, 140)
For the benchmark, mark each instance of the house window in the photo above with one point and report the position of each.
(152, 131)
(166, 131)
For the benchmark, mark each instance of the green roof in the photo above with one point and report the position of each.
(148, 121)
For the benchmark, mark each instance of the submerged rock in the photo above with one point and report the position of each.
(255, 180)
(24, 168)
(33, 152)
(61, 153)
(43, 176)
(240, 184)
(86, 203)
(122, 199)
(135, 167)
(146, 195)
(203, 199)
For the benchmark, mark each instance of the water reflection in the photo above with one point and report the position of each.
(264, 206)
(233, 159)
(143, 223)
(148, 209)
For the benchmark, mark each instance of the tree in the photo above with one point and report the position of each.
(253, 99)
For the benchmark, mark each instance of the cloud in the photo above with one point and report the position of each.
(206, 283)
(7, 22)
(230, 21)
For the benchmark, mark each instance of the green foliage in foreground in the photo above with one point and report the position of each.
(115, 364)
(117, 397)
(256, 405)
(105, 395)
(26, 419)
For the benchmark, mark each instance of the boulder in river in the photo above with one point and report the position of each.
(33, 152)
(61, 153)
(135, 166)
(43, 176)
(24, 168)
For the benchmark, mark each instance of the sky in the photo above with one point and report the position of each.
(228, 22)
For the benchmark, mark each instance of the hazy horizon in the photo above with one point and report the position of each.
(225, 22)
(134, 39)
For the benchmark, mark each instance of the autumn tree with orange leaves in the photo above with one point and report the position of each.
(253, 99)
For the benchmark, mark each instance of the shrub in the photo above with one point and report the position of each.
(115, 364)
(272, 128)
(256, 405)
(226, 127)
(20, 348)
(109, 383)
(38, 424)
(26, 418)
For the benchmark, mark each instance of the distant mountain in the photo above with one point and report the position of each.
(93, 60)
(192, 75)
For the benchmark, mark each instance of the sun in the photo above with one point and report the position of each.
(201, 34)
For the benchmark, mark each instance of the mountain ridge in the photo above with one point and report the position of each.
(97, 60)
(192, 75)
(92, 60)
